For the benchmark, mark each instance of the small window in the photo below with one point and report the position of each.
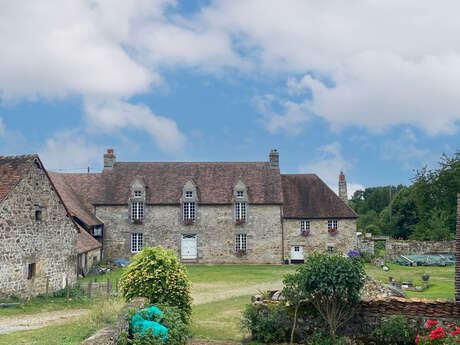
(304, 225)
(38, 215)
(241, 243)
(137, 241)
(189, 194)
(240, 211)
(332, 224)
(137, 211)
(137, 193)
(240, 194)
(31, 271)
(330, 248)
(189, 211)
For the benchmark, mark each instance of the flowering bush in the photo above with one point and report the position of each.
(138, 220)
(353, 254)
(438, 335)
(333, 231)
(188, 221)
(305, 233)
(240, 252)
(240, 221)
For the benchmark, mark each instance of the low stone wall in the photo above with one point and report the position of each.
(371, 314)
(111, 334)
(396, 248)
(97, 289)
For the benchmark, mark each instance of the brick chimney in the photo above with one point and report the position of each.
(457, 254)
(109, 159)
(274, 159)
(343, 188)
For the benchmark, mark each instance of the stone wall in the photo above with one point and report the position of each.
(319, 238)
(214, 227)
(91, 258)
(49, 243)
(395, 248)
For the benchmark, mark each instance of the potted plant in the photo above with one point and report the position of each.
(138, 220)
(425, 277)
(333, 231)
(240, 252)
(188, 221)
(305, 233)
(239, 221)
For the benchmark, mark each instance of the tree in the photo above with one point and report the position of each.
(332, 284)
(293, 294)
(157, 274)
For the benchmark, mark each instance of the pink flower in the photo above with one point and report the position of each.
(417, 338)
(431, 323)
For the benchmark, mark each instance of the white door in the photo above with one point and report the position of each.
(297, 253)
(188, 247)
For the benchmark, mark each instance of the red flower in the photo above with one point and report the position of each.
(431, 323)
(417, 338)
(437, 333)
(455, 332)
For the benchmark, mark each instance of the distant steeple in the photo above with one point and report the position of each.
(343, 187)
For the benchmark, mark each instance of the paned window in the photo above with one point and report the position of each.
(240, 211)
(137, 241)
(332, 224)
(240, 194)
(137, 193)
(304, 225)
(241, 242)
(189, 194)
(189, 210)
(137, 210)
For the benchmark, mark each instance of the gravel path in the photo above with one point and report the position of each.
(25, 322)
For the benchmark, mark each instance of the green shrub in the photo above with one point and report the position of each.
(319, 338)
(332, 284)
(74, 292)
(267, 325)
(157, 274)
(394, 331)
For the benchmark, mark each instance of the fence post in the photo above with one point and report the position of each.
(108, 288)
(47, 287)
(89, 289)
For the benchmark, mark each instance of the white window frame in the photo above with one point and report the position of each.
(137, 210)
(189, 194)
(241, 243)
(189, 210)
(137, 193)
(137, 242)
(241, 210)
(332, 224)
(304, 225)
(240, 194)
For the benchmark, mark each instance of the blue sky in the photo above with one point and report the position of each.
(368, 87)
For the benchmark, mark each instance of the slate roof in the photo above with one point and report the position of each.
(86, 242)
(165, 180)
(307, 196)
(77, 207)
(11, 170)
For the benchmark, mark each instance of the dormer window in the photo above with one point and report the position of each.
(137, 193)
(189, 202)
(137, 201)
(240, 203)
(240, 194)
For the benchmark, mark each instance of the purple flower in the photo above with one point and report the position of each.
(353, 253)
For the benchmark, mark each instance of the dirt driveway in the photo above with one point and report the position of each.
(15, 323)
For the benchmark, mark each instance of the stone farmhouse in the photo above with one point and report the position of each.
(209, 212)
(40, 242)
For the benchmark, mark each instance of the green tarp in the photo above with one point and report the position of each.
(426, 260)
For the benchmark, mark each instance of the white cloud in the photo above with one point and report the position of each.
(289, 119)
(111, 116)
(328, 167)
(69, 150)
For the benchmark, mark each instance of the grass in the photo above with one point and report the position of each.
(441, 279)
(103, 313)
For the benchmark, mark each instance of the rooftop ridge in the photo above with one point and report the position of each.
(34, 155)
(217, 162)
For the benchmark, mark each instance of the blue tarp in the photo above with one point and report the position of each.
(144, 320)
